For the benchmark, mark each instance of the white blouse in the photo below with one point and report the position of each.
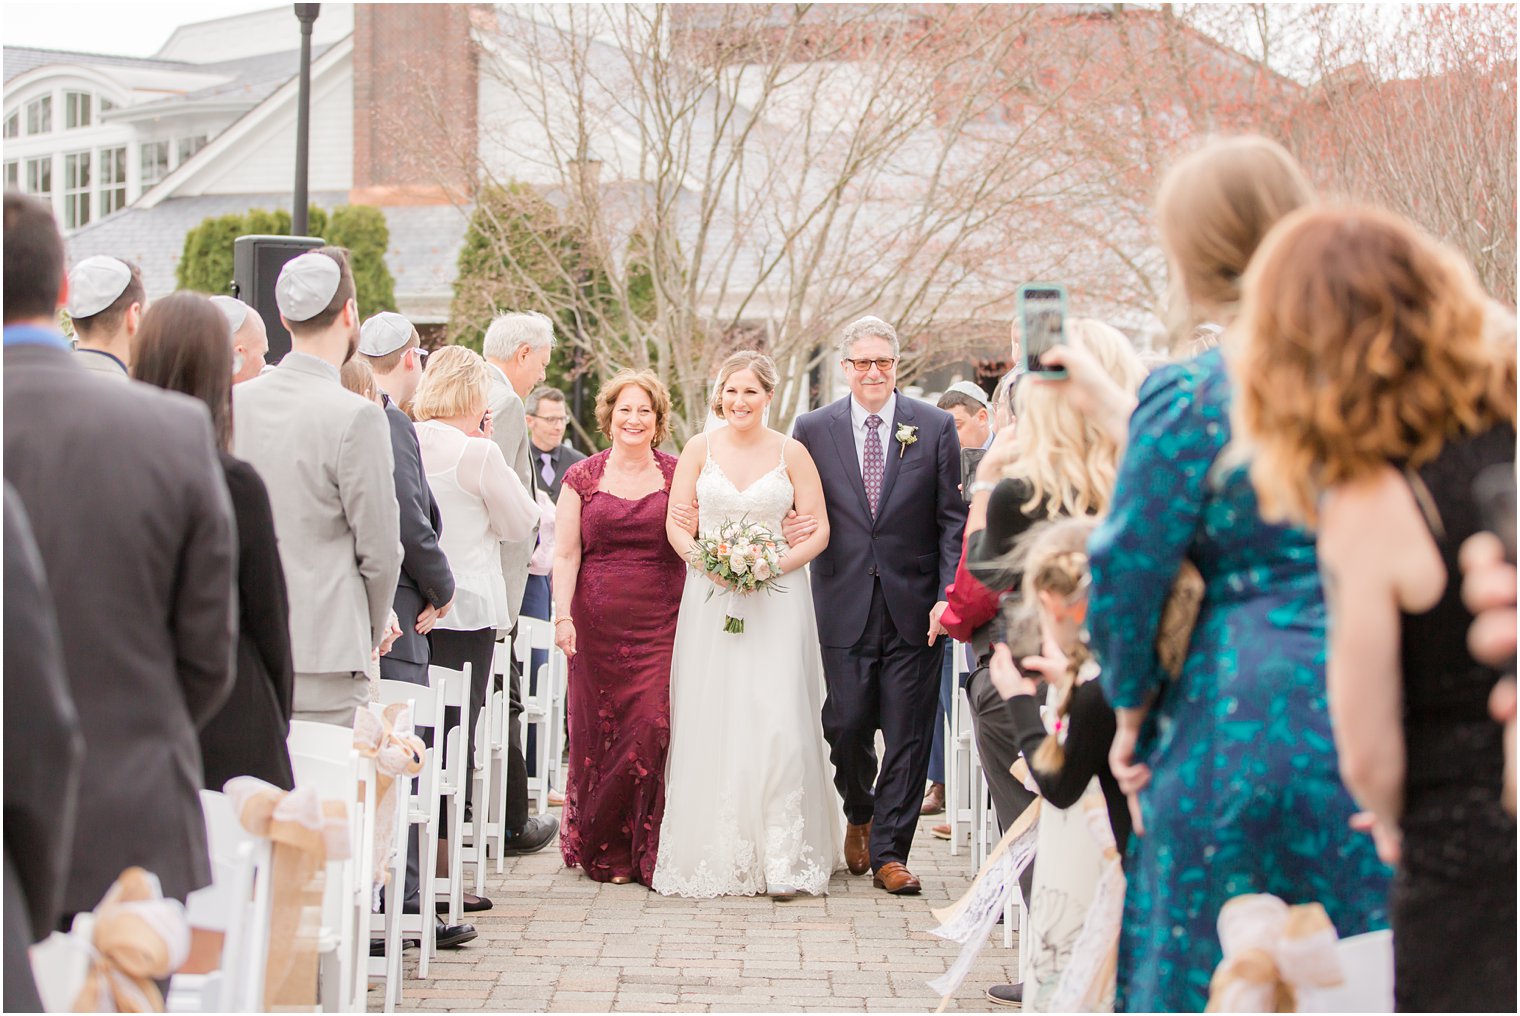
(483, 504)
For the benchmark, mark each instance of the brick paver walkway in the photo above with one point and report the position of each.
(558, 942)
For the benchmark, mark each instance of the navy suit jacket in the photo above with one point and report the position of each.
(425, 576)
(914, 542)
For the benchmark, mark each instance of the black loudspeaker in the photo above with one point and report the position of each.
(256, 264)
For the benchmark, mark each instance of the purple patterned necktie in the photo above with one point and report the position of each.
(875, 462)
(547, 472)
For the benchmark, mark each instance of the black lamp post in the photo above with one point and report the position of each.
(306, 14)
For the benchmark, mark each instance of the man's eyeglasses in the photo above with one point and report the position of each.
(883, 363)
(553, 421)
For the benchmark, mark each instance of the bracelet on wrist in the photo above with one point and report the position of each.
(983, 485)
(567, 617)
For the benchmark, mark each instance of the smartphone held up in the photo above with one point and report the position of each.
(1042, 324)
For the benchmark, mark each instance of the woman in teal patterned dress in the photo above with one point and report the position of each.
(1243, 792)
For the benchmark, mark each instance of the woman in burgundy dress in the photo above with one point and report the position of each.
(617, 586)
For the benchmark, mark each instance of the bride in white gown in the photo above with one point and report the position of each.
(750, 805)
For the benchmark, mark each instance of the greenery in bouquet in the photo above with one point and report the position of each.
(746, 556)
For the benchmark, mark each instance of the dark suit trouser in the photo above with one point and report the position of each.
(881, 682)
(992, 726)
(411, 673)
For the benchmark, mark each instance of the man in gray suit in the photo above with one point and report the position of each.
(517, 349)
(106, 303)
(325, 455)
(134, 528)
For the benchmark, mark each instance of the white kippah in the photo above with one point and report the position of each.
(384, 333)
(970, 389)
(94, 285)
(235, 310)
(306, 286)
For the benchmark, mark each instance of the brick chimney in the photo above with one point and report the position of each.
(415, 97)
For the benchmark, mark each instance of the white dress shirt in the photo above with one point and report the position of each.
(858, 414)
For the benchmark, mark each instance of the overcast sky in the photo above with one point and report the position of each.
(122, 29)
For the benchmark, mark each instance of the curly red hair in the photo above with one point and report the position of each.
(1363, 343)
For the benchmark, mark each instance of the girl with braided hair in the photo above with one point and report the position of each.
(1073, 910)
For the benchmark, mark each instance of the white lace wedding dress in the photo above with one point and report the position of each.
(750, 805)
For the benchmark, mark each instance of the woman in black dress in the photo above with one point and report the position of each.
(1375, 394)
(184, 345)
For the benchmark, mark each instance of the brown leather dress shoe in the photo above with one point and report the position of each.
(896, 879)
(857, 848)
(934, 800)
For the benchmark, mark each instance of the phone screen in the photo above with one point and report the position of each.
(970, 459)
(1044, 325)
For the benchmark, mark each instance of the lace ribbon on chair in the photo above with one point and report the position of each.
(137, 937)
(1087, 980)
(385, 735)
(971, 918)
(305, 832)
(1271, 952)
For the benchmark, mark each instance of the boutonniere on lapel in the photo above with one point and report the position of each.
(906, 435)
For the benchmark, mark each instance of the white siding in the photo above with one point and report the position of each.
(265, 160)
(254, 34)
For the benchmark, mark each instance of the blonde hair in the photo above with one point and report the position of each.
(357, 377)
(1070, 463)
(1364, 343)
(1053, 558)
(1214, 207)
(757, 363)
(455, 383)
(612, 388)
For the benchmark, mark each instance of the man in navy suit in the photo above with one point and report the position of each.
(890, 468)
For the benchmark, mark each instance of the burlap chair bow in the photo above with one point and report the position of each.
(1271, 953)
(385, 735)
(137, 937)
(305, 832)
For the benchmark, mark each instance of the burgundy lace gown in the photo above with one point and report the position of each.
(618, 703)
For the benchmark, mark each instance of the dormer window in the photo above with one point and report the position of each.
(77, 107)
(188, 147)
(13, 125)
(39, 115)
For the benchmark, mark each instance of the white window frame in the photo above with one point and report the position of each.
(13, 174)
(36, 121)
(113, 178)
(13, 125)
(78, 110)
(148, 178)
(77, 195)
(36, 169)
(185, 148)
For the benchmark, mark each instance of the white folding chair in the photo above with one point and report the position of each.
(238, 905)
(558, 684)
(344, 942)
(484, 763)
(538, 705)
(1367, 968)
(962, 778)
(499, 705)
(453, 687)
(420, 808)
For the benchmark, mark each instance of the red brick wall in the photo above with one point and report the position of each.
(415, 95)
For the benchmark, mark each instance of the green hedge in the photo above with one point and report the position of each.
(205, 264)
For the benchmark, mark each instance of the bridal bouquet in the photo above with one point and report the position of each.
(745, 555)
